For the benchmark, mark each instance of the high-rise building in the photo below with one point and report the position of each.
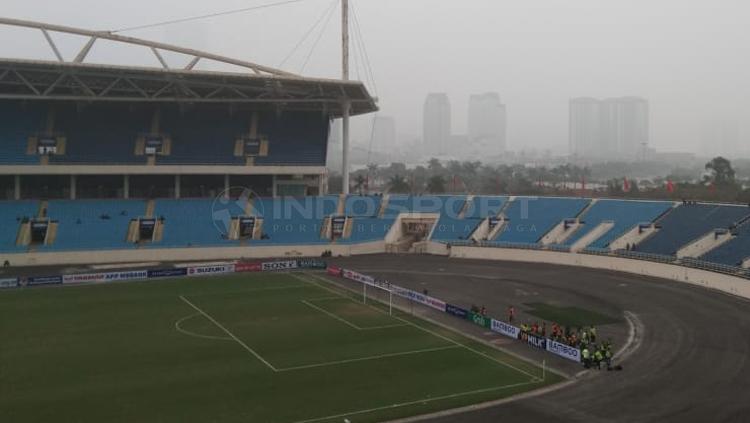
(609, 128)
(384, 134)
(436, 124)
(487, 122)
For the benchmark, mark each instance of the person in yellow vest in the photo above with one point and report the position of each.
(598, 357)
(586, 355)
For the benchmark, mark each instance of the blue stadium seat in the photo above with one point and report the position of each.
(11, 214)
(733, 252)
(686, 223)
(93, 224)
(292, 221)
(203, 136)
(16, 126)
(532, 217)
(368, 229)
(100, 134)
(368, 205)
(294, 138)
(624, 214)
(192, 223)
(482, 207)
(454, 229)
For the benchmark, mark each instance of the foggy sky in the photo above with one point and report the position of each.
(689, 58)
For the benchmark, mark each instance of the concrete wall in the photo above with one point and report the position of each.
(725, 283)
(187, 254)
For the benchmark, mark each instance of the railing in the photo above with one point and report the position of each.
(637, 255)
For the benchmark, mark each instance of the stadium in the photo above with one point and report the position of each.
(172, 253)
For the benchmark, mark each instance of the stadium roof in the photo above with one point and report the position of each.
(260, 87)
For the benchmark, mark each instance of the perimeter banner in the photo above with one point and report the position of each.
(271, 266)
(358, 277)
(248, 267)
(210, 270)
(167, 273)
(564, 351)
(505, 329)
(42, 280)
(8, 283)
(311, 264)
(335, 271)
(419, 297)
(456, 311)
(106, 276)
(479, 319)
(535, 341)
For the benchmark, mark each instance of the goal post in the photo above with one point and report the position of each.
(378, 292)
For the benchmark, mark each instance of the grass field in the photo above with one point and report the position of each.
(242, 348)
(569, 316)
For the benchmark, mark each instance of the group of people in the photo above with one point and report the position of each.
(596, 356)
(592, 354)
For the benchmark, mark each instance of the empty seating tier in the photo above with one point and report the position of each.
(624, 214)
(93, 224)
(733, 252)
(532, 217)
(687, 223)
(12, 213)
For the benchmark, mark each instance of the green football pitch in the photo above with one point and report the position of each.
(241, 348)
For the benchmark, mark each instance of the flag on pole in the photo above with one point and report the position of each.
(626, 185)
(670, 186)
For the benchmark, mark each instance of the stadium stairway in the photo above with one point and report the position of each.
(735, 251)
(686, 223)
(531, 218)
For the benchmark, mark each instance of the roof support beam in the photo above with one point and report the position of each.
(161, 59)
(27, 83)
(53, 45)
(134, 85)
(192, 63)
(54, 84)
(109, 87)
(85, 50)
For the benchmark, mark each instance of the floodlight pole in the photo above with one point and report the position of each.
(346, 104)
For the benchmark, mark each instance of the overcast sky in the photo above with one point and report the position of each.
(689, 58)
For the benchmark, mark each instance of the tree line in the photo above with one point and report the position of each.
(718, 181)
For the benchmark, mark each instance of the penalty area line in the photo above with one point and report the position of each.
(433, 333)
(370, 358)
(348, 323)
(231, 335)
(422, 401)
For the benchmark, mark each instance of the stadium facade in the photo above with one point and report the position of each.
(73, 129)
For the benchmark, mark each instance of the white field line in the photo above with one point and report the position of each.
(348, 323)
(421, 401)
(239, 341)
(374, 357)
(308, 366)
(635, 336)
(177, 325)
(433, 333)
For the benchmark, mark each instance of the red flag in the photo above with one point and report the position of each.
(626, 185)
(583, 182)
(670, 186)
(712, 187)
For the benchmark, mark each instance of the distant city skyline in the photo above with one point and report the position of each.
(608, 128)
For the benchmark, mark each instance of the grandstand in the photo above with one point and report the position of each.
(623, 214)
(688, 223)
(530, 218)
(136, 159)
